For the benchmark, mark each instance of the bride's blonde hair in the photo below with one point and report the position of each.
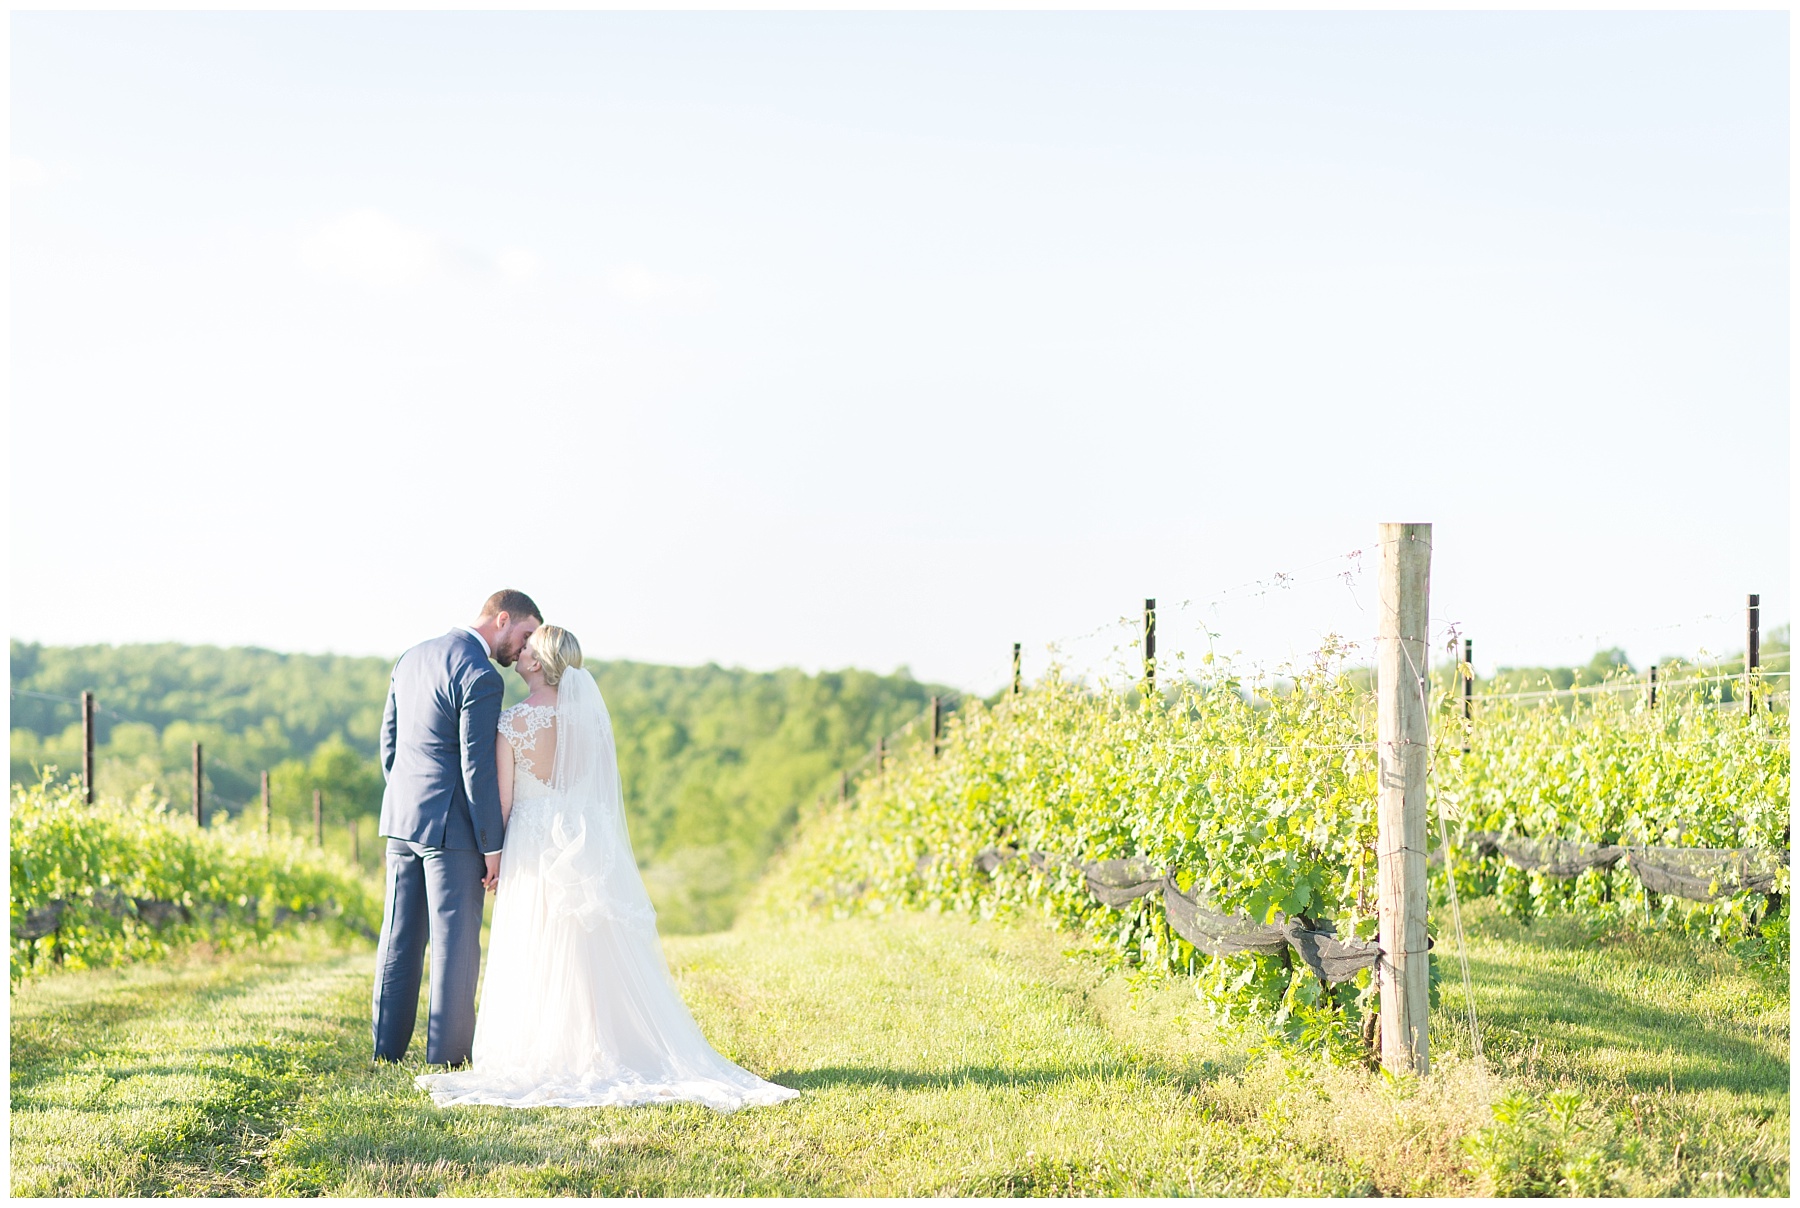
(557, 649)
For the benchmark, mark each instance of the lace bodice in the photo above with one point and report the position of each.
(544, 819)
(531, 732)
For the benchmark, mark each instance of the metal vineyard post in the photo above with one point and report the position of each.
(1149, 648)
(87, 747)
(1752, 649)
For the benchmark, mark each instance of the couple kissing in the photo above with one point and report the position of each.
(577, 1008)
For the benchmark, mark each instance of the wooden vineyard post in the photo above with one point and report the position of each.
(1016, 679)
(880, 754)
(1752, 649)
(199, 792)
(268, 813)
(1149, 648)
(87, 747)
(1403, 734)
(937, 724)
(318, 818)
(1653, 685)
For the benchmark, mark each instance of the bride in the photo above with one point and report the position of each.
(577, 1009)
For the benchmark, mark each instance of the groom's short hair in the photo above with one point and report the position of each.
(515, 604)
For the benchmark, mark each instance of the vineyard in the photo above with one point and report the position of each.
(103, 884)
(1088, 936)
(1260, 801)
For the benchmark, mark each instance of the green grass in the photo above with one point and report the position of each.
(935, 1056)
(172, 1078)
(1681, 1046)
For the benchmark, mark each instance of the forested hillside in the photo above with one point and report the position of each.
(714, 759)
(252, 709)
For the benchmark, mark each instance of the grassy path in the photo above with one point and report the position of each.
(172, 1079)
(934, 1057)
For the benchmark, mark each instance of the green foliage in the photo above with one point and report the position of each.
(1263, 801)
(1544, 1146)
(713, 759)
(349, 785)
(101, 860)
(1769, 946)
(251, 709)
(1688, 773)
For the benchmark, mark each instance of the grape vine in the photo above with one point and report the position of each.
(1261, 796)
(118, 881)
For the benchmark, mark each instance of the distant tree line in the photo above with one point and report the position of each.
(714, 760)
(1612, 662)
(1605, 665)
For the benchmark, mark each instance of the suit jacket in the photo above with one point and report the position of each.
(437, 746)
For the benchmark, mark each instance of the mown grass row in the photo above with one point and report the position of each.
(117, 881)
(933, 1057)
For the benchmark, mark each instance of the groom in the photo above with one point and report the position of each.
(441, 816)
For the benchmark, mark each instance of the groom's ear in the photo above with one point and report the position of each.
(502, 620)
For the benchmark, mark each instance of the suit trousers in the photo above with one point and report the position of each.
(434, 894)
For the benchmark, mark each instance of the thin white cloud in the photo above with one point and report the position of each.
(517, 263)
(373, 250)
(29, 173)
(636, 284)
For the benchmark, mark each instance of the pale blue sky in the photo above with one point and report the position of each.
(886, 339)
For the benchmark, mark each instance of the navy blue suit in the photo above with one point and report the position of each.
(440, 812)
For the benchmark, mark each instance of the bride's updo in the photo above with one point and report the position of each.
(557, 649)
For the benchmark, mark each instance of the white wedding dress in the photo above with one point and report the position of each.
(577, 1009)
